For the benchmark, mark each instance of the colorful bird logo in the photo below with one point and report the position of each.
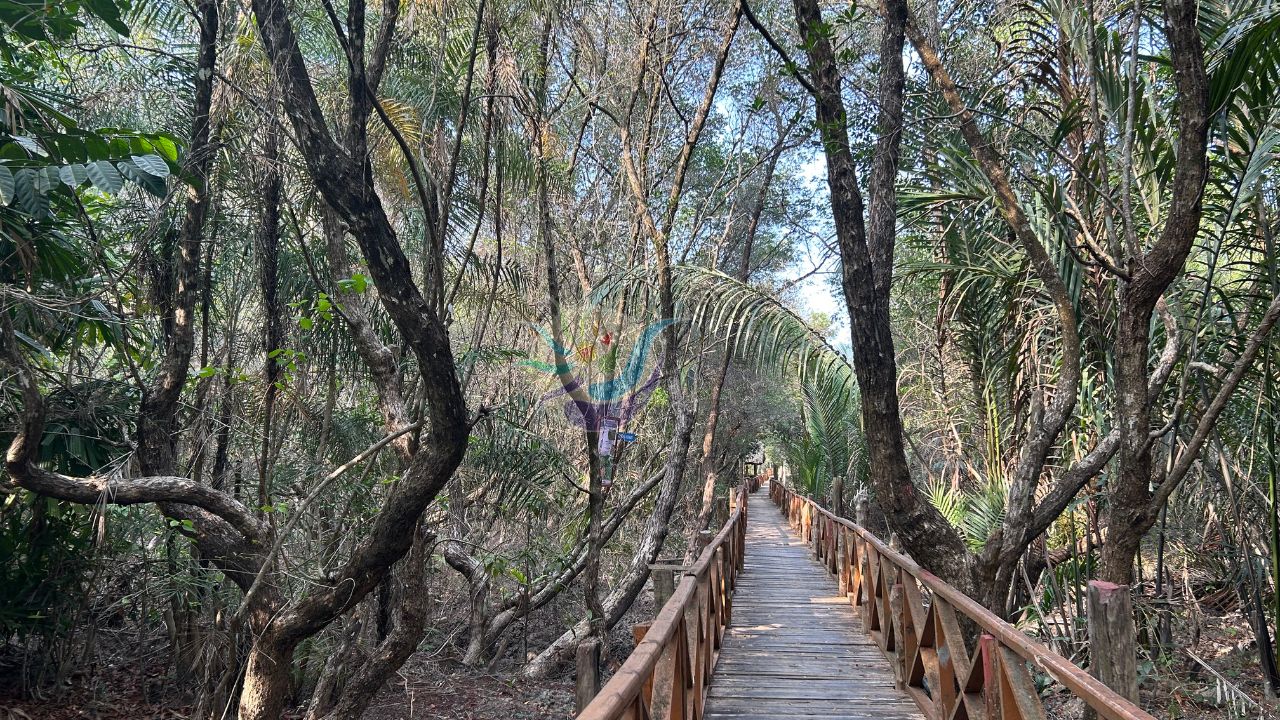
(616, 399)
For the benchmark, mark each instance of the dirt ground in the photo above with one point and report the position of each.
(433, 692)
(425, 690)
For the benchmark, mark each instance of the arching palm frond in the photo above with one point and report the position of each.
(760, 327)
(511, 464)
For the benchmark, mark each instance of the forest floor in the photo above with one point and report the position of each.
(1228, 686)
(425, 690)
(436, 691)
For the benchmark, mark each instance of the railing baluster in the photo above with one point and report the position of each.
(927, 644)
(666, 677)
(897, 632)
(844, 562)
(1019, 699)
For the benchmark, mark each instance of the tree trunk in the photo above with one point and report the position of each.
(158, 416)
(268, 681)
(866, 253)
(1132, 509)
(697, 539)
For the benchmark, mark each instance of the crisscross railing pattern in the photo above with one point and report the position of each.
(666, 676)
(914, 618)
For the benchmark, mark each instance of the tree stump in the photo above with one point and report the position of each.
(588, 674)
(1112, 640)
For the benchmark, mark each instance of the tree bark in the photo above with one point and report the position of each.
(1131, 509)
(866, 252)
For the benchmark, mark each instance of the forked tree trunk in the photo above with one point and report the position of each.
(1133, 508)
(866, 253)
(646, 553)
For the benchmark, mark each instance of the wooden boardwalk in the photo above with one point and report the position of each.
(795, 648)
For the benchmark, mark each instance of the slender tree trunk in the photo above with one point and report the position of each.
(647, 551)
(273, 316)
(866, 252)
(697, 539)
(157, 421)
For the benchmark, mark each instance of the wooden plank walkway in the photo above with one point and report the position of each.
(795, 647)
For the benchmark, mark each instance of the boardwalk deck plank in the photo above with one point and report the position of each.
(795, 648)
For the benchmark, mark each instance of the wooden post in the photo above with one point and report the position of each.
(862, 509)
(588, 674)
(664, 584)
(894, 630)
(1112, 639)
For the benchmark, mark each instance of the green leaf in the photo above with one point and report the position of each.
(109, 12)
(6, 185)
(147, 181)
(152, 165)
(305, 323)
(105, 177)
(357, 283)
(41, 180)
(165, 146)
(73, 176)
(96, 147)
(30, 199)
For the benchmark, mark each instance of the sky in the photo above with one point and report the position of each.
(816, 293)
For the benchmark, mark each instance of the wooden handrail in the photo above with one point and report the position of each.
(667, 674)
(924, 641)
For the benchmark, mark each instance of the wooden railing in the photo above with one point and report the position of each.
(914, 618)
(667, 674)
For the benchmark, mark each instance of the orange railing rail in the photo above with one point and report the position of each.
(912, 617)
(667, 675)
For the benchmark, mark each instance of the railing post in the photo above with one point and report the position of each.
(854, 590)
(1112, 641)
(741, 532)
(588, 673)
(664, 674)
(664, 584)
(844, 562)
(833, 554)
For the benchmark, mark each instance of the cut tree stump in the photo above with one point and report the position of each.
(588, 674)
(1112, 639)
